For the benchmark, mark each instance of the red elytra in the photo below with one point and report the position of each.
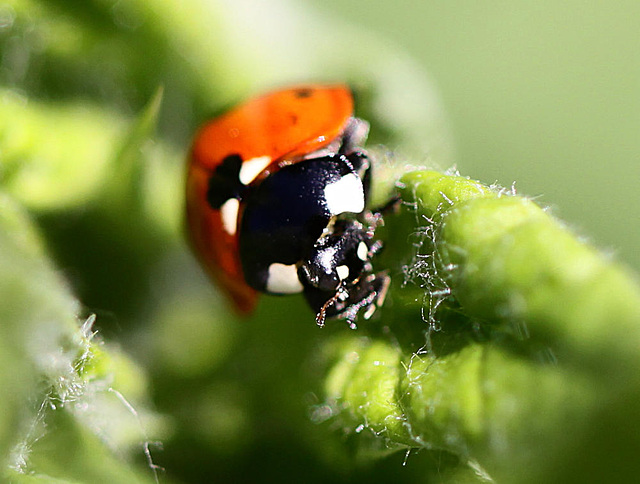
(283, 125)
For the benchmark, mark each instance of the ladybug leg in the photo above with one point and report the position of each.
(322, 312)
(355, 134)
(375, 217)
(377, 286)
(358, 162)
(375, 248)
(381, 285)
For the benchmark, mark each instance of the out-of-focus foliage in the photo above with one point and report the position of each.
(99, 99)
(542, 93)
(64, 389)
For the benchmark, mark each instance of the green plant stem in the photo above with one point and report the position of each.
(507, 260)
(561, 344)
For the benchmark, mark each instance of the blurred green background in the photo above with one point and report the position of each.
(546, 94)
(99, 101)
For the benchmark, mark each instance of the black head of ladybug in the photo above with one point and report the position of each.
(337, 277)
(300, 233)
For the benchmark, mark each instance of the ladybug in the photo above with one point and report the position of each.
(276, 193)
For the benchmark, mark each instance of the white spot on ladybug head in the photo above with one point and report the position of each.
(250, 169)
(363, 251)
(343, 272)
(283, 279)
(229, 215)
(345, 195)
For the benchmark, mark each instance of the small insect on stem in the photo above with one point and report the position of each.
(275, 197)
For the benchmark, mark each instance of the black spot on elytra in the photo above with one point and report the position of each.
(303, 93)
(225, 182)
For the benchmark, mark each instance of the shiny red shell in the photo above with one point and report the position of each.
(283, 125)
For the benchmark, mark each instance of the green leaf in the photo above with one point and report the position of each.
(54, 156)
(70, 409)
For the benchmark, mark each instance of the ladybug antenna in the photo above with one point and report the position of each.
(322, 313)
